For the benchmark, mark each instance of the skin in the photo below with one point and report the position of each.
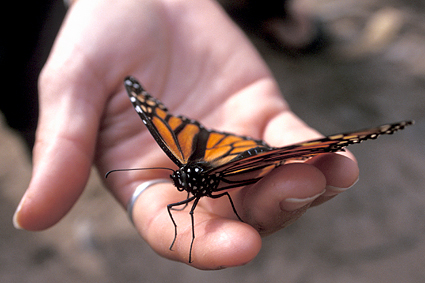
(185, 53)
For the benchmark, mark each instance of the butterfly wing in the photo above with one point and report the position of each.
(258, 164)
(239, 160)
(185, 140)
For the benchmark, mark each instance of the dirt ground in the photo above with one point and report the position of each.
(372, 73)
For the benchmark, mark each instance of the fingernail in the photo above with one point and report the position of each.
(15, 217)
(291, 204)
(332, 190)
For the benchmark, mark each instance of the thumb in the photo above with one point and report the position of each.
(63, 152)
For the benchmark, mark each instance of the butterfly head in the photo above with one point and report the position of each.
(193, 179)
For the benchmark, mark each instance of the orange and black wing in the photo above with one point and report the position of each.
(185, 140)
(237, 159)
(258, 164)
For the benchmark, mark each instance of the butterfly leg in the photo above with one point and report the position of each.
(185, 205)
(192, 218)
(169, 208)
(231, 203)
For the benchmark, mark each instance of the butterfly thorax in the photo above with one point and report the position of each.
(195, 180)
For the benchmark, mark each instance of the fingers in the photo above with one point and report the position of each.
(63, 154)
(59, 176)
(341, 173)
(281, 197)
(219, 242)
(285, 194)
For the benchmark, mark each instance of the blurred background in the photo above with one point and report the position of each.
(371, 71)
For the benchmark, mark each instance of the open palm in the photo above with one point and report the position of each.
(193, 58)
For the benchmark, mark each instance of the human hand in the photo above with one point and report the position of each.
(186, 53)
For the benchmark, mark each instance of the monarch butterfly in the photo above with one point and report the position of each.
(211, 162)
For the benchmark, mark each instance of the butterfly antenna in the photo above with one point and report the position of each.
(136, 169)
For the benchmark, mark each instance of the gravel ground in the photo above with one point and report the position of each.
(372, 73)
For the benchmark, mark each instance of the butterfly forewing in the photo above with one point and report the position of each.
(302, 151)
(183, 139)
(155, 115)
